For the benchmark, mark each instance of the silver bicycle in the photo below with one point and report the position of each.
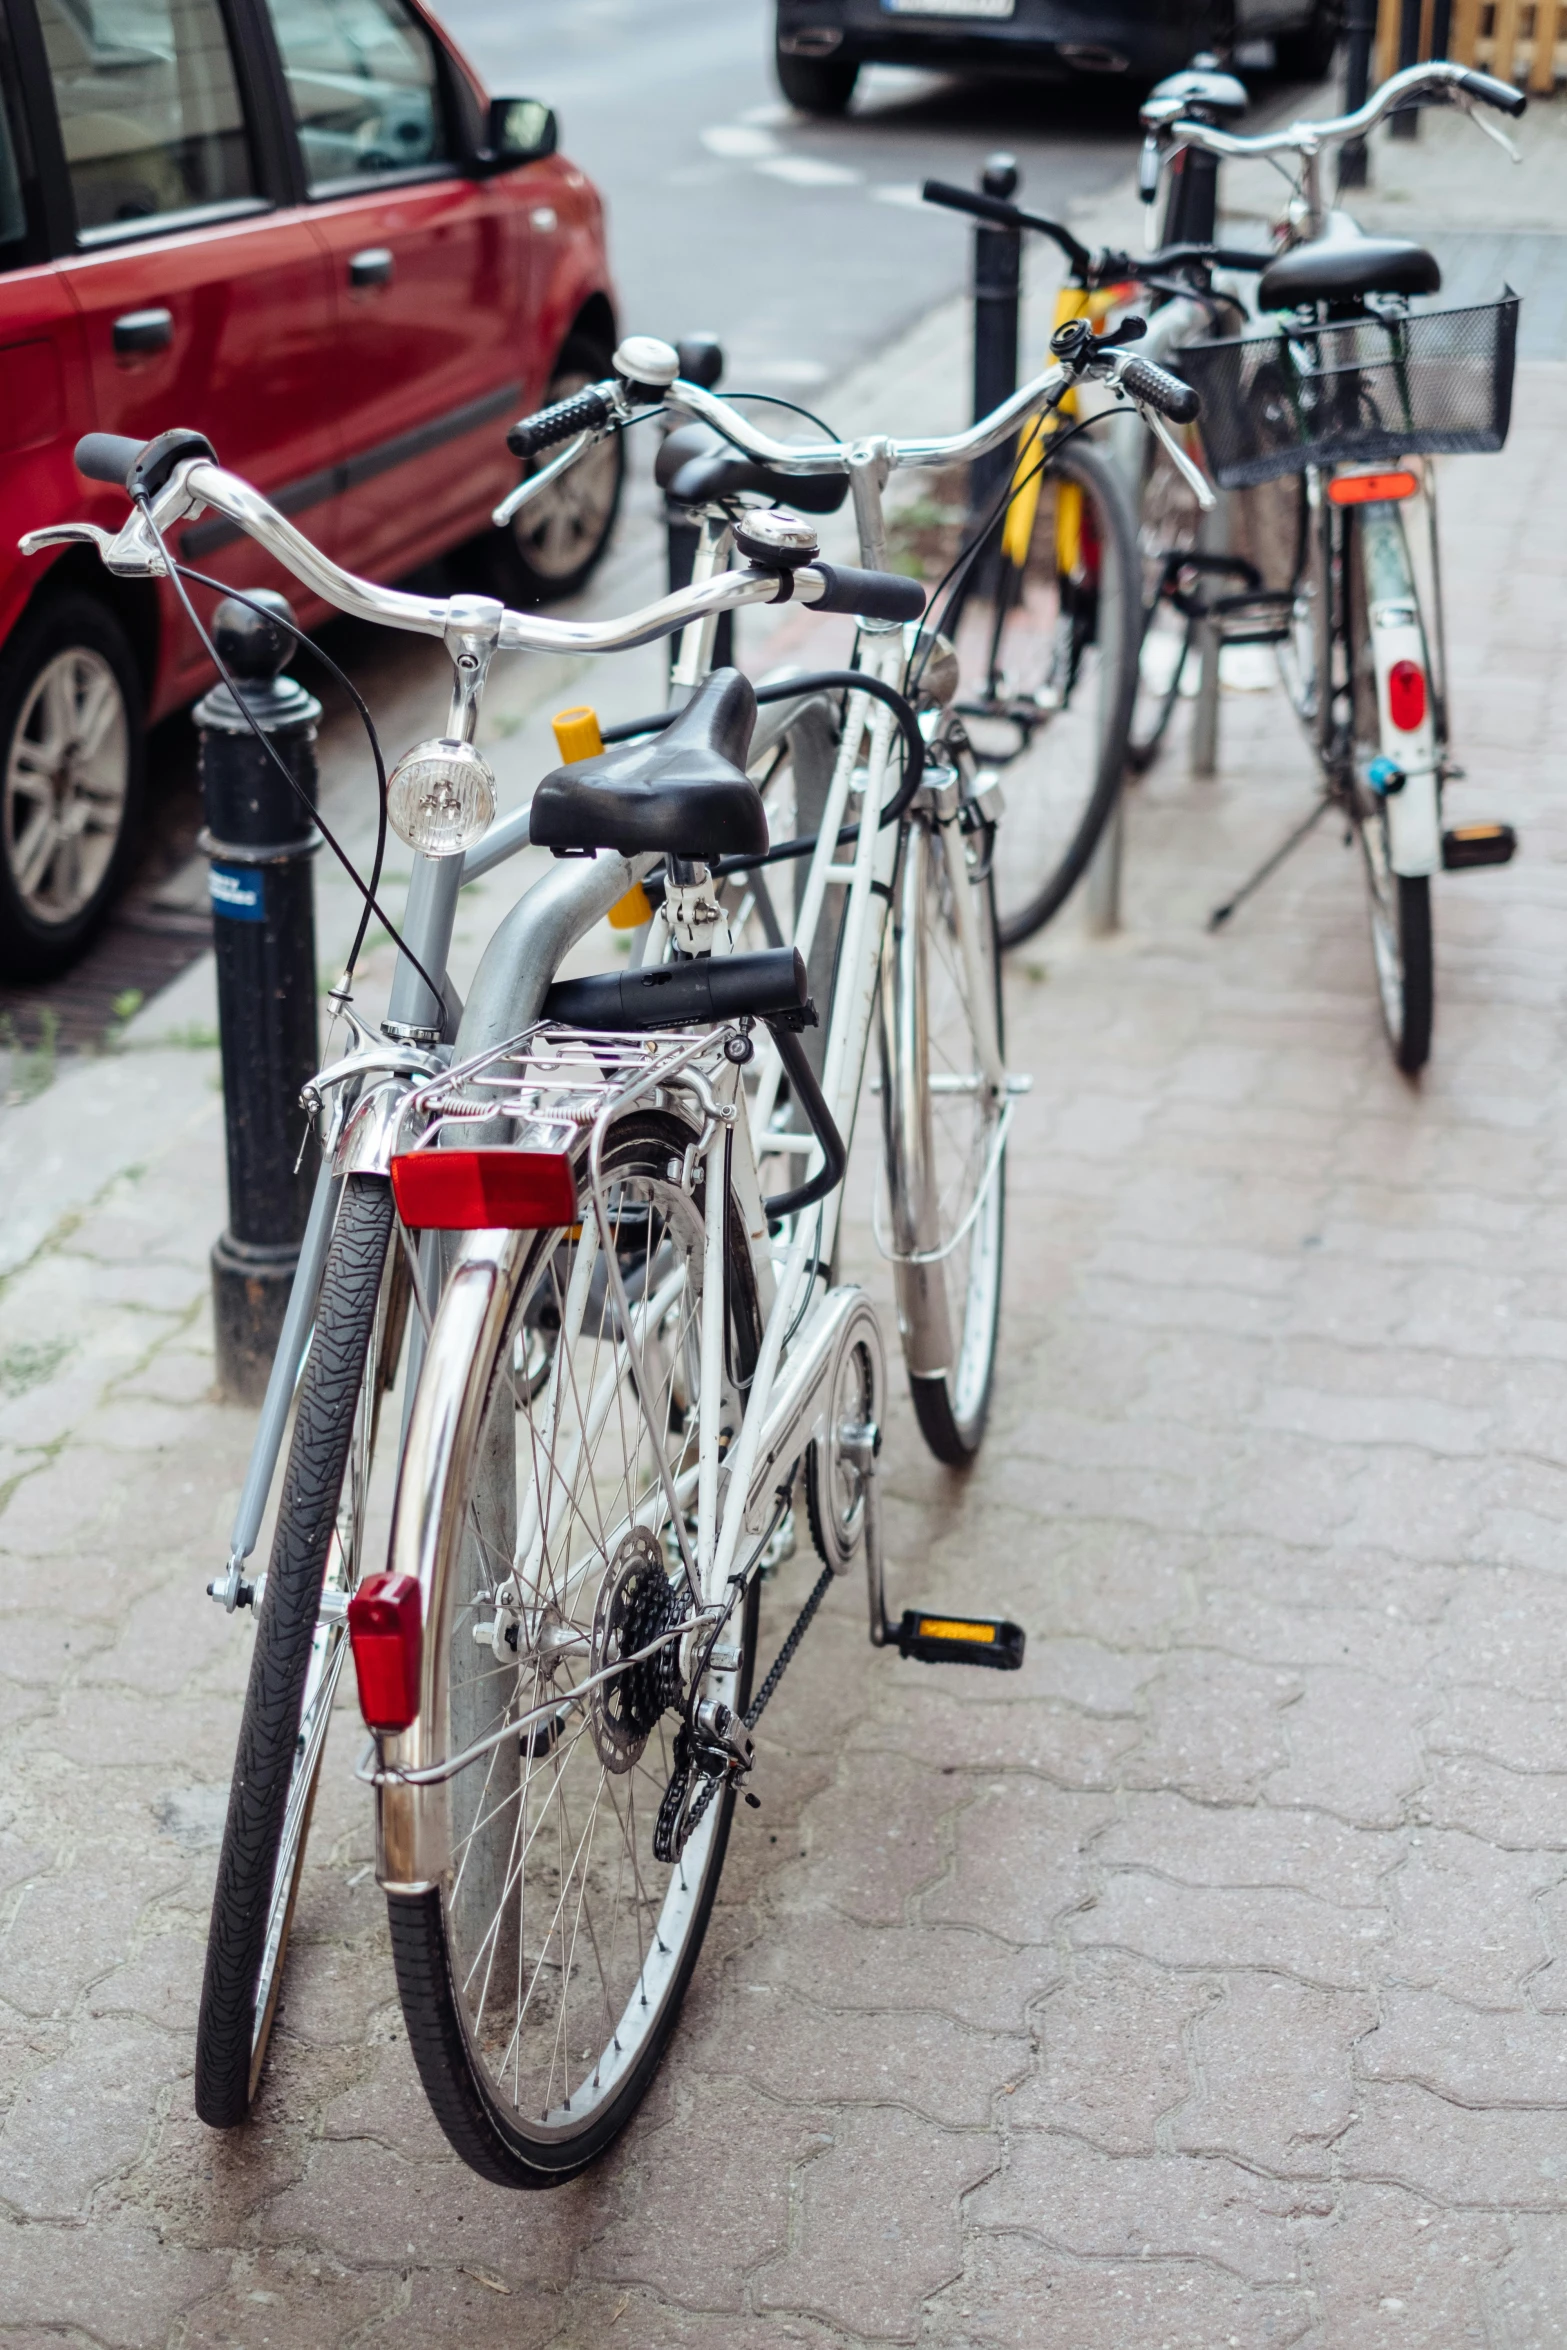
(548, 1213)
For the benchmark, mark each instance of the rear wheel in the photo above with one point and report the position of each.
(71, 743)
(542, 1977)
(1402, 947)
(817, 85)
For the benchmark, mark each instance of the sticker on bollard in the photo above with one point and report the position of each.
(239, 892)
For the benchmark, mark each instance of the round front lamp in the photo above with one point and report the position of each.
(441, 798)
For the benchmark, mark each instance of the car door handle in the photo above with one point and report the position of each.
(373, 267)
(142, 331)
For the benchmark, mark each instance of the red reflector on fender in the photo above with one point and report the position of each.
(1406, 695)
(471, 1191)
(386, 1632)
(1371, 489)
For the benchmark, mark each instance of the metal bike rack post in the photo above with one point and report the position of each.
(1213, 537)
(998, 293)
(260, 841)
(1360, 32)
(701, 362)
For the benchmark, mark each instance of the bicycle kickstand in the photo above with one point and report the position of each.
(1270, 865)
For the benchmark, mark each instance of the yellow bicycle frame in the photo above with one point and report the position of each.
(1028, 474)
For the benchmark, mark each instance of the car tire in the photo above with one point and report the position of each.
(70, 802)
(816, 85)
(548, 550)
(1307, 53)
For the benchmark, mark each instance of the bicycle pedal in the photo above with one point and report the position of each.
(1477, 844)
(961, 1640)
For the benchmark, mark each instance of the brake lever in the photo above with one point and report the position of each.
(1492, 130)
(1192, 474)
(531, 484)
(67, 534)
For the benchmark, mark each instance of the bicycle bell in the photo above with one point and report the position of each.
(780, 541)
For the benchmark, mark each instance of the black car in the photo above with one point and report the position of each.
(823, 43)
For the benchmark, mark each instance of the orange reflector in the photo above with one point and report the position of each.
(577, 734)
(631, 911)
(1406, 695)
(386, 1633)
(1371, 489)
(473, 1191)
(954, 1628)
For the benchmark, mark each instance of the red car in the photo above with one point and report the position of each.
(303, 228)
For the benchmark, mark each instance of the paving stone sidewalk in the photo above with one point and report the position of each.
(1202, 1988)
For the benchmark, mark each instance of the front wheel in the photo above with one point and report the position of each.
(944, 1109)
(319, 1543)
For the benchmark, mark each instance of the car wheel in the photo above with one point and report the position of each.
(817, 85)
(71, 743)
(547, 551)
(1307, 53)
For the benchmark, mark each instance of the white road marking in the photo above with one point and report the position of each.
(903, 192)
(808, 171)
(738, 142)
(769, 117)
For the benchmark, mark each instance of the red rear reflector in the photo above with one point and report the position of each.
(1371, 489)
(472, 1191)
(387, 1636)
(1406, 695)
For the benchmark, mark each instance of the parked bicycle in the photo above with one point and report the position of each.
(1322, 430)
(542, 1213)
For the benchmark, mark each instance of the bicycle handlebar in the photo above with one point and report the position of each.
(586, 411)
(1157, 388)
(1306, 138)
(197, 481)
(1005, 215)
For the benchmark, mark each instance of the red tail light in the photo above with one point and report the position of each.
(1406, 695)
(386, 1631)
(473, 1191)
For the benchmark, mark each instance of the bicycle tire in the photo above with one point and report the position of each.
(461, 1998)
(238, 2007)
(948, 1281)
(1053, 826)
(1169, 522)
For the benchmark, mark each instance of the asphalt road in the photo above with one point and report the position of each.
(802, 244)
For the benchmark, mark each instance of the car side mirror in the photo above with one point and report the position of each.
(517, 131)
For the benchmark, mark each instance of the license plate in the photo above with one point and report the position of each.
(949, 7)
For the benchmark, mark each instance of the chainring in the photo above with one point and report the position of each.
(636, 1602)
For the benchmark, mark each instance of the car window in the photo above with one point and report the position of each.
(149, 107)
(13, 213)
(364, 85)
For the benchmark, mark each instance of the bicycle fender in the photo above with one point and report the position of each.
(1414, 815)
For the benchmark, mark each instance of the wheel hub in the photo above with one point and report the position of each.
(637, 1602)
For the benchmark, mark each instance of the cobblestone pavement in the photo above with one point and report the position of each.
(1203, 1986)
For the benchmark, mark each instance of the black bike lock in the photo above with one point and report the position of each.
(260, 840)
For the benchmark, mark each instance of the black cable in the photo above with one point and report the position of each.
(771, 400)
(204, 579)
(372, 904)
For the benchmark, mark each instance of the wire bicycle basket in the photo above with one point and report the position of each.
(1367, 390)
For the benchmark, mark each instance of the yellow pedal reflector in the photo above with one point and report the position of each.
(631, 911)
(577, 734)
(961, 1640)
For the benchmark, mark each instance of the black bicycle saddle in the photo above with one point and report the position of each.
(697, 468)
(682, 793)
(1341, 269)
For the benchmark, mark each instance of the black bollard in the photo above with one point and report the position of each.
(260, 839)
(998, 291)
(1405, 124)
(1360, 32)
(701, 362)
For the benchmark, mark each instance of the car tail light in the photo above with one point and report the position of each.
(1371, 489)
(386, 1632)
(473, 1191)
(1406, 695)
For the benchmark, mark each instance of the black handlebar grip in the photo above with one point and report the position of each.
(585, 411)
(107, 456)
(1491, 92)
(971, 201)
(869, 595)
(1157, 388)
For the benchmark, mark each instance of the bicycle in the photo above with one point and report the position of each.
(1322, 432)
(617, 1351)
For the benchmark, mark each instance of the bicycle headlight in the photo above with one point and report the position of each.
(440, 798)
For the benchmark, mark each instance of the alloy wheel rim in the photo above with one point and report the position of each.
(67, 775)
